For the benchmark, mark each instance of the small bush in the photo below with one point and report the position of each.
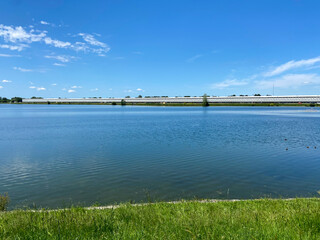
(312, 104)
(4, 201)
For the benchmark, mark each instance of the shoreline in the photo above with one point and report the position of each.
(115, 206)
(296, 218)
(179, 104)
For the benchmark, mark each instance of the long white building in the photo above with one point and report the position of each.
(235, 99)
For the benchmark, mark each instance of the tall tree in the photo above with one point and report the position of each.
(205, 102)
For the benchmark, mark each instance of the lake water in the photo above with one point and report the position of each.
(58, 155)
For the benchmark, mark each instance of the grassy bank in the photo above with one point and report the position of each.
(256, 219)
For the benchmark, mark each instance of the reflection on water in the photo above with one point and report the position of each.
(56, 155)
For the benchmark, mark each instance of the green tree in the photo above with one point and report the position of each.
(205, 102)
(16, 100)
(123, 102)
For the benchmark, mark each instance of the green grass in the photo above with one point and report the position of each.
(253, 219)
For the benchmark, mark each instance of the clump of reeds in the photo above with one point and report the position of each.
(4, 201)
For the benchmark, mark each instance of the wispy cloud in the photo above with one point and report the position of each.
(18, 38)
(91, 40)
(101, 49)
(53, 84)
(59, 64)
(57, 43)
(229, 83)
(6, 81)
(140, 90)
(94, 89)
(22, 69)
(76, 87)
(9, 55)
(289, 81)
(44, 23)
(18, 47)
(38, 88)
(279, 77)
(62, 58)
(292, 65)
(19, 34)
(1, 87)
(71, 91)
(194, 58)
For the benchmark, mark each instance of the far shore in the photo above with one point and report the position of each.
(178, 104)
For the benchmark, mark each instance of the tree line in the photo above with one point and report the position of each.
(10, 100)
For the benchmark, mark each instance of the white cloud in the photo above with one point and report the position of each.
(80, 46)
(140, 90)
(229, 83)
(38, 88)
(91, 40)
(22, 69)
(44, 23)
(18, 47)
(71, 91)
(268, 80)
(292, 65)
(88, 38)
(22, 38)
(8, 55)
(1, 87)
(192, 59)
(59, 64)
(94, 89)
(19, 34)
(289, 81)
(54, 84)
(76, 87)
(61, 58)
(64, 89)
(6, 81)
(57, 43)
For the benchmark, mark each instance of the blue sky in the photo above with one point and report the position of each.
(175, 48)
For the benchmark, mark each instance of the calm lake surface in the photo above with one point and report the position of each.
(58, 155)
